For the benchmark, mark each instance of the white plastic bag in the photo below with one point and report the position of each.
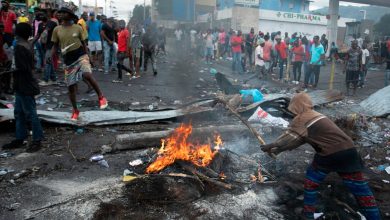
(265, 118)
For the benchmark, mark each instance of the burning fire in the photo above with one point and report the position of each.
(178, 147)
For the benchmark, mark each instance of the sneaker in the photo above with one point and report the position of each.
(100, 70)
(44, 83)
(127, 74)
(103, 103)
(75, 115)
(34, 147)
(14, 144)
(106, 72)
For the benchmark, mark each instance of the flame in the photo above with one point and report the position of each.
(178, 147)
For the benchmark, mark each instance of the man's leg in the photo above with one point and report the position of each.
(295, 67)
(316, 75)
(362, 192)
(120, 58)
(20, 119)
(299, 68)
(89, 78)
(30, 112)
(281, 70)
(107, 51)
(154, 63)
(313, 180)
(72, 95)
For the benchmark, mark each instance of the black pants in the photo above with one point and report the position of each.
(150, 55)
(297, 66)
(121, 56)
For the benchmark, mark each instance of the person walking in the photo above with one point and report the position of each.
(123, 50)
(69, 37)
(26, 87)
(149, 41)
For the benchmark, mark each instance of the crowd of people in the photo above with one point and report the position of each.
(298, 59)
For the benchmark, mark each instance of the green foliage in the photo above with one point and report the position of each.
(382, 26)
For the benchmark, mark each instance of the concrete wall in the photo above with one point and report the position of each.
(245, 18)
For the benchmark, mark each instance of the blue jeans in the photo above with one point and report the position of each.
(236, 65)
(387, 77)
(49, 68)
(26, 112)
(109, 55)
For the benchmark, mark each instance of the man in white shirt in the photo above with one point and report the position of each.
(259, 59)
(178, 34)
(363, 72)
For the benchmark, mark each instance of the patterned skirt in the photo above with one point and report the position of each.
(74, 72)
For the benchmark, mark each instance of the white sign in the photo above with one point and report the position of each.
(248, 3)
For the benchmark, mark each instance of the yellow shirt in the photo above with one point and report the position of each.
(22, 19)
(83, 25)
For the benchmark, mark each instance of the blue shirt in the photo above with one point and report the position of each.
(316, 53)
(94, 28)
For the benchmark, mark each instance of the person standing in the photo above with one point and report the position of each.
(71, 40)
(298, 53)
(108, 35)
(94, 28)
(335, 152)
(179, 36)
(123, 50)
(317, 56)
(209, 46)
(23, 18)
(8, 18)
(387, 72)
(281, 49)
(259, 59)
(221, 43)
(267, 50)
(324, 43)
(149, 41)
(26, 87)
(162, 39)
(365, 59)
(353, 66)
(236, 42)
(249, 40)
(83, 23)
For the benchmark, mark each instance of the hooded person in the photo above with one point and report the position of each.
(335, 152)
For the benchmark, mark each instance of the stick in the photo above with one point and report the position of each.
(204, 177)
(253, 130)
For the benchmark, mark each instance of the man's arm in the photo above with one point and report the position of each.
(104, 36)
(289, 140)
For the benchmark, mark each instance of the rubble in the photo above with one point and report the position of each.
(377, 104)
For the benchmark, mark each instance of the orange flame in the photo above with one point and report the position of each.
(178, 147)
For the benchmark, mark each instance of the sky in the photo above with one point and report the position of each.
(125, 6)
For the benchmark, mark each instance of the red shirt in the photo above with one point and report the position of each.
(238, 41)
(298, 57)
(282, 50)
(7, 18)
(388, 45)
(123, 37)
(267, 51)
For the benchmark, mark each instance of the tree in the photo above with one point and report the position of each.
(382, 26)
(138, 14)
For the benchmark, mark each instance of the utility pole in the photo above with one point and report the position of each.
(144, 11)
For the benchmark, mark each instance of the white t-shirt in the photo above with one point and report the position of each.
(178, 34)
(259, 51)
(209, 41)
(192, 35)
(365, 55)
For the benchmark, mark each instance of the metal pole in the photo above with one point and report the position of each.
(332, 73)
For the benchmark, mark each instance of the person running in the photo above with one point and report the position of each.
(136, 46)
(108, 34)
(353, 66)
(123, 50)
(317, 56)
(298, 53)
(259, 59)
(335, 152)
(281, 49)
(71, 40)
(94, 28)
(26, 87)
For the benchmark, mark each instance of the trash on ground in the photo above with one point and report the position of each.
(213, 71)
(6, 154)
(129, 178)
(265, 118)
(177, 102)
(105, 149)
(103, 163)
(255, 93)
(135, 162)
(317, 215)
(96, 158)
(387, 169)
(377, 104)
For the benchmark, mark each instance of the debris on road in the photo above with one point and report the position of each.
(135, 162)
(377, 104)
